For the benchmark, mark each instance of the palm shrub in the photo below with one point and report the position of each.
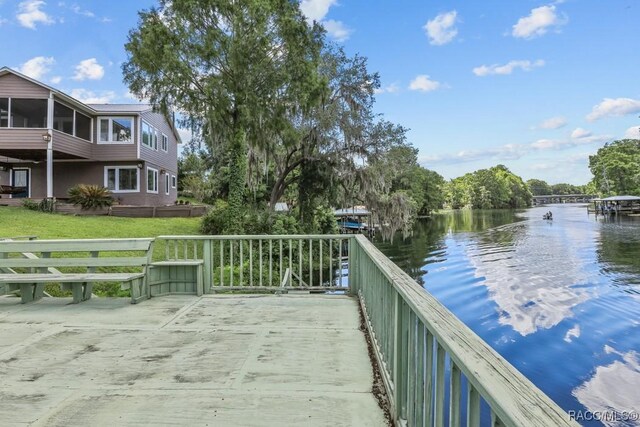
(90, 196)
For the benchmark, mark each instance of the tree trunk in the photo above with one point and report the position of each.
(237, 180)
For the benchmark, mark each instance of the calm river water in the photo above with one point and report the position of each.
(559, 299)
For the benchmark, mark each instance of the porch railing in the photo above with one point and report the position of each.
(266, 262)
(421, 346)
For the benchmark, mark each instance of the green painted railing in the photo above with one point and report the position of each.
(265, 262)
(421, 346)
(435, 369)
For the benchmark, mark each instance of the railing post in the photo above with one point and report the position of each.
(207, 254)
(352, 267)
(397, 352)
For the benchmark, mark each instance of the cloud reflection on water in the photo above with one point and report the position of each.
(613, 387)
(515, 262)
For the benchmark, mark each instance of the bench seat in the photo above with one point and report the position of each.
(41, 258)
(31, 286)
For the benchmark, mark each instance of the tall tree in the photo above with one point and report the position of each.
(223, 63)
(539, 187)
(616, 168)
(493, 188)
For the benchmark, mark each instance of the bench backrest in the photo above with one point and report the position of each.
(76, 253)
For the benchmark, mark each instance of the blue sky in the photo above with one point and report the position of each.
(534, 85)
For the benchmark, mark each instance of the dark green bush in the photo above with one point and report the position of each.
(252, 222)
(90, 196)
(45, 205)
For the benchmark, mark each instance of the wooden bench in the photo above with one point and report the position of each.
(23, 270)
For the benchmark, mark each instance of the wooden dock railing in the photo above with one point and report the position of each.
(436, 370)
(420, 346)
(266, 262)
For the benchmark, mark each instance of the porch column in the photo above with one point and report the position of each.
(50, 147)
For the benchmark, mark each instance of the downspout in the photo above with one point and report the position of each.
(50, 147)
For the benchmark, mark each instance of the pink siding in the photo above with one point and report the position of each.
(22, 139)
(15, 87)
(71, 145)
(160, 160)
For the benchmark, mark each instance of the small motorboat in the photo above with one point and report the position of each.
(548, 216)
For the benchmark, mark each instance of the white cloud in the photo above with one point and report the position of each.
(90, 97)
(37, 67)
(508, 68)
(441, 29)
(580, 133)
(392, 88)
(517, 151)
(56, 79)
(632, 133)
(538, 22)
(84, 12)
(337, 30)
(89, 69)
(316, 10)
(29, 14)
(610, 107)
(424, 84)
(553, 123)
(185, 135)
(578, 137)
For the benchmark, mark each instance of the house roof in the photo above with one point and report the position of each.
(121, 108)
(354, 211)
(94, 108)
(619, 199)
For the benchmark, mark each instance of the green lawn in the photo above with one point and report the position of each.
(16, 221)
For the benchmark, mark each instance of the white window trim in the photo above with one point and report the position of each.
(111, 118)
(117, 168)
(164, 138)
(157, 175)
(167, 185)
(174, 181)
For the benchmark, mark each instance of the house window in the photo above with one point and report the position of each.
(122, 179)
(174, 181)
(83, 126)
(115, 130)
(62, 118)
(71, 122)
(165, 143)
(4, 112)
(152, 180)
(146, 134)
(28, 113)
(166, 184)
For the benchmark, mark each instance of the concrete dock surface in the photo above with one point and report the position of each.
(216, 360)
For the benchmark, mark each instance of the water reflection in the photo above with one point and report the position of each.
(514, 262)
(613, 389)
(547, 295)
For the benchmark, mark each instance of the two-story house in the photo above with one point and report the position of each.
(50, 142)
